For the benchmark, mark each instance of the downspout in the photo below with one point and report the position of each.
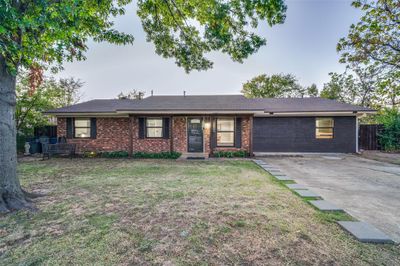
(131, 120)
(171, 134)
(251, 137)
(357, 137)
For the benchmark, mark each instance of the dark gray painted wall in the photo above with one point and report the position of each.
(297, 134)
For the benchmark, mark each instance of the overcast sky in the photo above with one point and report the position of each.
(305, 45)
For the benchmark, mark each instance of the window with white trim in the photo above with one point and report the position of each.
(154, 128)
(225, 132)
(82, 127)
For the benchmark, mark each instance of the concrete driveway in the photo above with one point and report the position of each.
(368, 190)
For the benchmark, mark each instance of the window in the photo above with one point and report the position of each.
(154, 128)
(82, 128)
(225, 132)
(324, 128)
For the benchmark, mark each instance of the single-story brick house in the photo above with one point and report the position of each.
(210, 123)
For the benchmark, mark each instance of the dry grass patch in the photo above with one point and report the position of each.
(100, 211)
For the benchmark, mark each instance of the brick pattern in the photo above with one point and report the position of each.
(148, 145)
(179, 134)
(246, 135)
(113, 135)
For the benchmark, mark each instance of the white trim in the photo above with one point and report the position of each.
(191, 112)
(256, 113)
(291, 114)
(63, 115)
(357, 128)
(299, 154)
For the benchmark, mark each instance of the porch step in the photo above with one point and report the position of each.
(194, 156)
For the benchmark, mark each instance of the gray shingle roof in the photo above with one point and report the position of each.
(95, 106)
(211, 103)
(313, 104)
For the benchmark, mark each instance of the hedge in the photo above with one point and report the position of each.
(230, 154)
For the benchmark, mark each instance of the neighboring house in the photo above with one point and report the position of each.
(205, 124)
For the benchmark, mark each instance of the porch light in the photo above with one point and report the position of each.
(207, 125)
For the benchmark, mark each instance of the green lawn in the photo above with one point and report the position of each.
(112, 211)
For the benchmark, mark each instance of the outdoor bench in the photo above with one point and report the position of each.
(59, 148)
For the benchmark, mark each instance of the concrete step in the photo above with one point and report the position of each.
(194, 156)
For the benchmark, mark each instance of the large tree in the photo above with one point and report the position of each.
(372, 51)
(364, 86)
(375, 39)
(275, 86)
(357, 85)
(51, 94)
(39, 34)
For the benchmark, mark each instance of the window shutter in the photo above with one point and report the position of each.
(238, 132)
(166, 127)
(141, 128)
(213, 133)
(70, 128)
(93, 128)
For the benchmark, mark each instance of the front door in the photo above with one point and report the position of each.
(195, 135)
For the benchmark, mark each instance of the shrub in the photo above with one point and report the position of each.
(231, 154)
(389, 138)
(115, 154)
(159, 155)
(90, 154)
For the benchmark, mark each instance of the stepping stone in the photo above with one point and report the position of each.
(307, 193)
(296, 186)
(270, 169)
(365, 232)
(276, 173)
(324, 205)
(283, 178)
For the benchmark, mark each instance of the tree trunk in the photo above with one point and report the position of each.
(12, 196)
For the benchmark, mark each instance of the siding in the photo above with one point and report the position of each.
(297, 134)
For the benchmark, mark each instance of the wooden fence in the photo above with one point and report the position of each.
(368, 137)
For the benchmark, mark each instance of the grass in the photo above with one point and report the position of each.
(108, 211)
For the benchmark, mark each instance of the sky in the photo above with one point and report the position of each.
(305, 46)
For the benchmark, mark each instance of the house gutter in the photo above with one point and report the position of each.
(256, 113)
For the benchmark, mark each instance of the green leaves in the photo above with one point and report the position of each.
(187, 29)
(51, 32)
(274, 86)
(389, 137)
(375, 39)
(372, 52)
(49, 95)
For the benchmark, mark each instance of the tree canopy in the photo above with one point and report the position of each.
(372, 52)
(48, 32)
(276, 86)
(375, 39)
(50, 94)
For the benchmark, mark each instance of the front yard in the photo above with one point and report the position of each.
(105, 211)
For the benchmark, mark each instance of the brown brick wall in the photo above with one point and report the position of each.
(148, 145)
(113, 135)
(179, 134)
(246, 135)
